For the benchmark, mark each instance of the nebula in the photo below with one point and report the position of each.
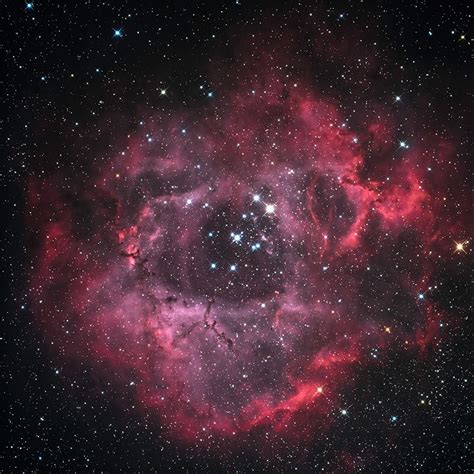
(239, 258)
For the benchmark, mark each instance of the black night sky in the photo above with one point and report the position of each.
(237, 236)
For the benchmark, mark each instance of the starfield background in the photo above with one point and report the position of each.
(236, 236)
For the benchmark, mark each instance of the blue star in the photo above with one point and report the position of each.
(210, 94)
(233, 267)
(213, 266)
(236, 238)
(393, 418)
(29, 6)
(118, 33)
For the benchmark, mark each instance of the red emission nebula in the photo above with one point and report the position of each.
(238, 260)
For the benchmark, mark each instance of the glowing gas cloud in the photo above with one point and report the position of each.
(239, 257)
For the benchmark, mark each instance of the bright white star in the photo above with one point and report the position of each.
(270, 209)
